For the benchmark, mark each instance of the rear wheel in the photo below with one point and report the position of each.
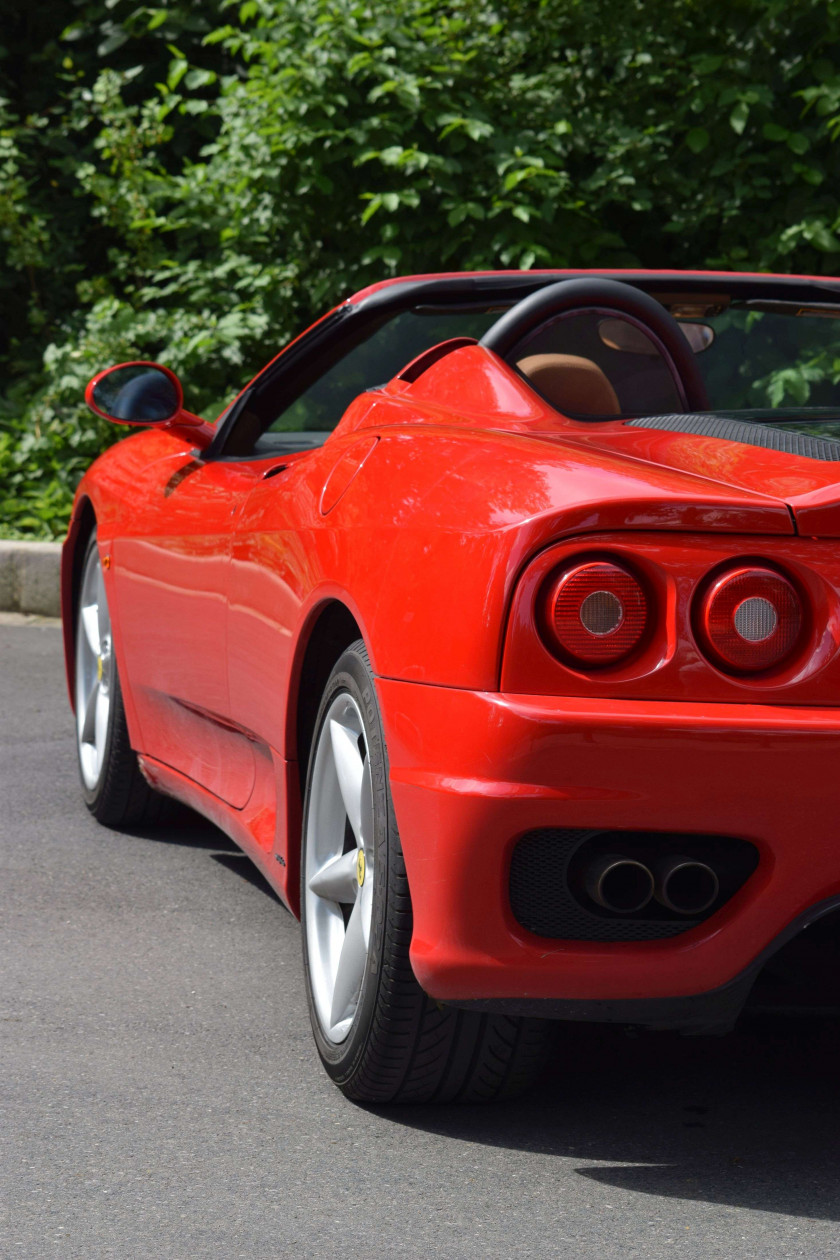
(114, 790)
(380, 1037)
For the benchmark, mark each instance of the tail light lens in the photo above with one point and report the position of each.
(596, 613)
(750, 619)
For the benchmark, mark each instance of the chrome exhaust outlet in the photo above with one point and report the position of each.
(619, 883)
(685, 885)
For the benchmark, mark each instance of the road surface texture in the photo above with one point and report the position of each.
(164, 1099)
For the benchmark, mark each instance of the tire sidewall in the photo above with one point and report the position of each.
(352, 675)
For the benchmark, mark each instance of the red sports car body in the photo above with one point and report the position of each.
(585, 529)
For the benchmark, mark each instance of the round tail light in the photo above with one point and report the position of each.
(750, 619)
(596, 613)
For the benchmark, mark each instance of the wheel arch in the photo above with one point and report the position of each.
(332, 628)
(329, 630)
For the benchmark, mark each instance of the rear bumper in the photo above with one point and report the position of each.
(472, 771)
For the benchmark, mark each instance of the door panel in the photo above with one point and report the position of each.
(274, 564)
(171, 585)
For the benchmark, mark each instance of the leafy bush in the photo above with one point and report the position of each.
(194, 186)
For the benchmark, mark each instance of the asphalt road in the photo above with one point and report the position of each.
(164, 1099)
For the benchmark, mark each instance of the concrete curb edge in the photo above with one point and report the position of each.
(30, 577)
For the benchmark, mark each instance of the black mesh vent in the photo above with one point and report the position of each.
(733, 430)
(546, 897)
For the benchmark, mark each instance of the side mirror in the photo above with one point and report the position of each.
(146, 394)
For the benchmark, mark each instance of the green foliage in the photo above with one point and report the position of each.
(193, 183)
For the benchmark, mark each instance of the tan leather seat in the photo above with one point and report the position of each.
(573, 385)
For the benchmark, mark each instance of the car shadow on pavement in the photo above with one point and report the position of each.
(751, 1120)
(181, 825)
(245, 869)
(184, 826)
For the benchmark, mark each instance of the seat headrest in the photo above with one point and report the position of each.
(573, 385)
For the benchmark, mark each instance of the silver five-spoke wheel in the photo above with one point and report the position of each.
(338, 879)
(379, 1036)
(94, 671)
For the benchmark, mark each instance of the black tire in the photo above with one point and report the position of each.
(404, 1047)
(120, 798)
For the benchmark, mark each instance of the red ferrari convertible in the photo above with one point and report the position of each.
(498, 621)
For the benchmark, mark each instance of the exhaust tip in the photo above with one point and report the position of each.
(685, 885)
(620, 884)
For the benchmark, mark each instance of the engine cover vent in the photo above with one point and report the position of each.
(731, 429)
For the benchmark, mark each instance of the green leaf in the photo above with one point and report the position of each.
(374, 204)
(114, 41)
(177, 69)
(199, 78)
(708, 64)
(809, 173)
(697, 139)
(738, 117)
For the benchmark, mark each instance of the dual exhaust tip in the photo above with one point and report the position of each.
(625, 885)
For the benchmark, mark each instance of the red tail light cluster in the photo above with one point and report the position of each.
(750, 619)
(747, 619)
(596, 613)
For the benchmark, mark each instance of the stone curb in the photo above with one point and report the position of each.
(29, 577)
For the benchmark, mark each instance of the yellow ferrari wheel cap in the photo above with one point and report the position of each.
(360, 866)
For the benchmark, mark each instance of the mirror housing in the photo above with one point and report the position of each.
(146, 394)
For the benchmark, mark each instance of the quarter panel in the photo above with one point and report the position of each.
(426, 543)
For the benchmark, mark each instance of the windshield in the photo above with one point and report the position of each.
(766, 360)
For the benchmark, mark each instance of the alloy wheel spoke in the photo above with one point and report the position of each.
(90, 621)
(104, 621)
(88, 731)
(350, 772)
(94, 672)
(336, 880)
(366, 906)
(351, 967)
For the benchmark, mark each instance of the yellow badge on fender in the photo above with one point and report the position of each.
(360, 866)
